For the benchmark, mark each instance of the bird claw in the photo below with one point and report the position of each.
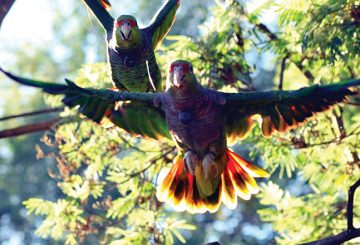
(210, 167)
(191, 159)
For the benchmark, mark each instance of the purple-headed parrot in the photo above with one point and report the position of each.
(200, 121)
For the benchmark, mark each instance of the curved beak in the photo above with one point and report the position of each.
(125, 32)
(178, 78)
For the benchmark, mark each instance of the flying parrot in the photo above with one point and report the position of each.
(200, 121)
(131, 49)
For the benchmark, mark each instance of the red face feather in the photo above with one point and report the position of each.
(131, 21)
(186, 67)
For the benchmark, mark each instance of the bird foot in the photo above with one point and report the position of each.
(191, 160)
(210, 167)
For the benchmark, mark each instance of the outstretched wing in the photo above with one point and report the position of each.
(137, 117)
(98, 7)
(162, 22)
(282, 110)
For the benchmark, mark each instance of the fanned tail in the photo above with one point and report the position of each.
(238, 179)
(179, 187)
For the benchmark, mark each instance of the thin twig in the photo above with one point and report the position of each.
(351, 232)
(273, 37)
(352, 103)
(151, 163)
(335, 140)
(342, 130)
(352, 73)
(282, 71)
(33, 113)
(350, 207)
(133, 146)
(340, 122)
(266, 30)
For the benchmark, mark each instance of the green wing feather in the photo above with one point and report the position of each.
(162, 22)
(98, 7)
(282, 110)
(140, 117)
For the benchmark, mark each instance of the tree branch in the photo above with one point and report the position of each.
(282, 71)
(273, 37)
(351, 232)
(31, 128)
(337, 239)
(351, 71)
(352, 103)
(350, 207)
(340, 123)
(152, 161)
(305, 145)
(33, 113)
(267, 31)
(4, 9)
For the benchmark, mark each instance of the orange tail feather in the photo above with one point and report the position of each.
(179, 187)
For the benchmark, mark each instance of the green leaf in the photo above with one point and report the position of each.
(38, 206)
(120, 207)
(70, 240)
(178, 235)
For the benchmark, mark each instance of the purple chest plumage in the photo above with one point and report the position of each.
(195, 121)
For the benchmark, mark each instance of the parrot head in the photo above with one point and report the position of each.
(126, 32)
(181, 77)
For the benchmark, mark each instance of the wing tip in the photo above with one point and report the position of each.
(106, 4)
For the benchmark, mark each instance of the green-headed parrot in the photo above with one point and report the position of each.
(200, 120)
(131, 49)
